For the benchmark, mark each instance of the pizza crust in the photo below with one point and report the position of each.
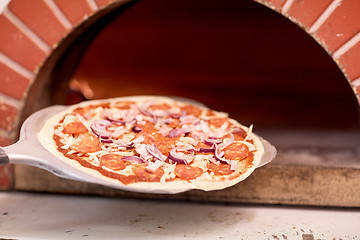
(207, 181)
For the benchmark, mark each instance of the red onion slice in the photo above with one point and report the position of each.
(139, 139)
(205, 150)
(219, 155)
(232, 165)
(155, 152)
(179, 157)
(133, 159)
(130, 120)
(101, 124)
(212, 140)
(131, 143)
(99, 128)
(179, 131)
(224, 145)
(136, 129)
(213, 160)
(105, 140)
(114, 120)
(176, 114)
(142, 150)
(174, 156)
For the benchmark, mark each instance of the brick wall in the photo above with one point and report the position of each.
(31, 31)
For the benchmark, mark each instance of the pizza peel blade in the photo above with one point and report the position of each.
(29, 151)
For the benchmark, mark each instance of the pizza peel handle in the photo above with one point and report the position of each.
(4, 159)
(24, 153)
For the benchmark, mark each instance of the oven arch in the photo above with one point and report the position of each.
(20, 33)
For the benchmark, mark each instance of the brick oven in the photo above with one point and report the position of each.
(295, 63)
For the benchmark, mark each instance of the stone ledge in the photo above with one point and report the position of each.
(314, 172)
(273, 184)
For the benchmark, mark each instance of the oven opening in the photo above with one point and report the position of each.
(234, 56)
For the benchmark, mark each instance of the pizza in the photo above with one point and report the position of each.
(152, 142)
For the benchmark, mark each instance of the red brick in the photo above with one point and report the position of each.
(350, 61)
(16, 45)
(6, 180)
(341, 25)
(102, 3)
(12, 83)
(40, 19)
(308, 11)
(8, 116)
(75, 11)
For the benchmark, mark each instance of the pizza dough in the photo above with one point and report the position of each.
(153, 144)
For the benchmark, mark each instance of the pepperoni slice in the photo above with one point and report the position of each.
(191, 110)
(75, 128)
(236, 151)
(187, 172)
(163, 106)
(86, 143)
(82, 110)
(218, 122)
(219, 169)
(202, 145)
(165, 144)
(144, 176)
(148, 130)
(113, 161)
(239, 134)
(124, 105)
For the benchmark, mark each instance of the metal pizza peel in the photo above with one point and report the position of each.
(28, 150)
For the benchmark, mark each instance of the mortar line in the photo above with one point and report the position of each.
(17, 67)
(346, 46)
(93, 5)
(286, 7)
(324, 16)
(14, 102)
(59, 14)
(356, 83)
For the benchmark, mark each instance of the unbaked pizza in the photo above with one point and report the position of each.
(155, 142)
